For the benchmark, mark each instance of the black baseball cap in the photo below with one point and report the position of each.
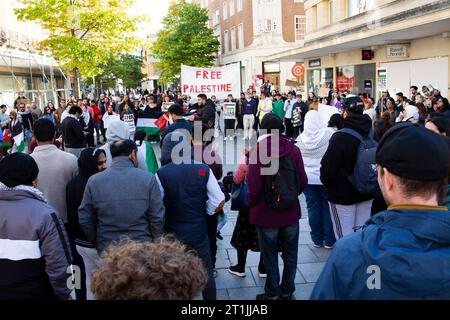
(413, 152)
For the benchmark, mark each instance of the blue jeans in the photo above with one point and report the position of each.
(319, 215)
(287, 238)
(204, 253)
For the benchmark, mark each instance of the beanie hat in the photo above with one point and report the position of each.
(18, 169)
(272, 122)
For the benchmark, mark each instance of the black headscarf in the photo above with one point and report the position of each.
(18, 169)
(87, 162)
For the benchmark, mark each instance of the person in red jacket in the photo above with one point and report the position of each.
(96, 117)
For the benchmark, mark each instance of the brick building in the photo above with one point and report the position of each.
(250, 30)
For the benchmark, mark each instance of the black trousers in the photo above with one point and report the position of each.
(211, 227)
(289, 127)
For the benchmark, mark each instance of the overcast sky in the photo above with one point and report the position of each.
(155, 9)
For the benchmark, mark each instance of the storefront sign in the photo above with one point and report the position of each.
(315, 63)
(398, 51)
(298, 70)
(211, 81)
(367, 84)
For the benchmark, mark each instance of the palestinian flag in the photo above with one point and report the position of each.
(150, 157)
(7, 143)
(19, 142)
(148, 125)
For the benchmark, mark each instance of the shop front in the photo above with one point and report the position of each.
(271, 73)
(357, 78)
(318, 76)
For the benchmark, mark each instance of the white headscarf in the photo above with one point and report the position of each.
(313, 142)
(314, 129)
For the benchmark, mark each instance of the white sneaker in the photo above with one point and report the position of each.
(225, 138)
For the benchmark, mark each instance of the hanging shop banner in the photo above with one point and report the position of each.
(220, 81)
(229, 110)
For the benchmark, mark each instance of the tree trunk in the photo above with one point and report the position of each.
(76, 83)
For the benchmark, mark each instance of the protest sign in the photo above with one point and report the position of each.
(211, 81)
(229, 110)
(165, 106)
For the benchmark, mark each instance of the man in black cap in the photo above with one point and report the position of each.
(34, 248)
(402, 253)
(349, 208)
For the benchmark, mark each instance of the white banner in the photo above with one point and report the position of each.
(219, 82)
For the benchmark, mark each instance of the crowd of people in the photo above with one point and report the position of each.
(92, 194)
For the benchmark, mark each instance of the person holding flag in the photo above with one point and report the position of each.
(146, 155)
(13, 137)
(147, 121)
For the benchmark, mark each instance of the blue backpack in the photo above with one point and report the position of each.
(365, 178)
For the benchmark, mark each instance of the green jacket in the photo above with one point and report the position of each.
(278, 108)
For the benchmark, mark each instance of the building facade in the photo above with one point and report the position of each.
(250, 30)
(22, 67)
(374, 45)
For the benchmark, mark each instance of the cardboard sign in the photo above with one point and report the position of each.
(229, 110)
(165, 106)
(211, 81)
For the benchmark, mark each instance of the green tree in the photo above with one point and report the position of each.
(126, 67)
(83, 34)
(185, 38)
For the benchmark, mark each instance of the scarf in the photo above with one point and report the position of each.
(37, 193)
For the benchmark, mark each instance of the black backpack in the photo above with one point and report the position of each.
(281, 190)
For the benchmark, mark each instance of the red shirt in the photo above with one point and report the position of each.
(96, 117)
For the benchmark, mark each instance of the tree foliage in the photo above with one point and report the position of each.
(126, 67)
(185, 38)
(83, 34)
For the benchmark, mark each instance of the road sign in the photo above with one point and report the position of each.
(298, 70)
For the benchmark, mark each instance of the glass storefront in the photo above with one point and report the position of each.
(355, 78)
(318, 78)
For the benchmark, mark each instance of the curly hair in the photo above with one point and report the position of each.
(162, 270)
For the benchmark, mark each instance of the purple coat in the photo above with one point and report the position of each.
(260, 214)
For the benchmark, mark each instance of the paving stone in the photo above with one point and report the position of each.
(311, 271)
(262, 281)
(321, 253)
(303, 291)
(225, 243)
(222, 260)
(306, 255)
(226, 280)
(222, 294)
(245, 293)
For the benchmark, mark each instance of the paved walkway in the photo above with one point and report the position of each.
(310, 259)
(230, 287)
